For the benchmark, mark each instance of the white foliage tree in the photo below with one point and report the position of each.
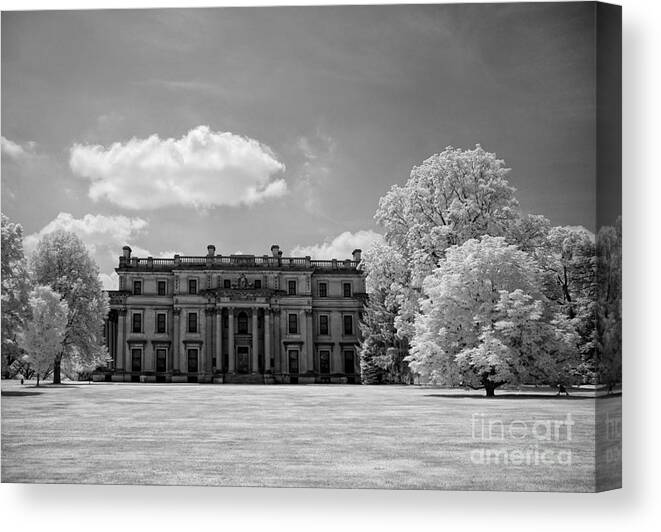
(62, 261)
(484, 320)
(451, 197)
(15, 289)
(43, 337)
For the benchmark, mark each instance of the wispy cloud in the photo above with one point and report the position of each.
(318, 151)
(201, 169)
(339, 247)
(16, 151)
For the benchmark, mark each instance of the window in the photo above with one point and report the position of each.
(227, 283)
(258, 283)
(137, 323)
(162, 288)
(160, 360)
(323, 324)
(291, 288)
(192, 322)
(348, 325)
(346, 287)
(136, 359)
(323, 289)
(192, 286)
(293, 324)
(160, 322)
(137, 288)
(242, 324)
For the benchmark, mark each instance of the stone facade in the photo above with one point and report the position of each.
(236, 319)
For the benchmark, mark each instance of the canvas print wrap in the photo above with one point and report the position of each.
(331, 246)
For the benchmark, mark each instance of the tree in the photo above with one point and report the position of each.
(572, 261)
(609, 304)
(62, 262)
(451, 197)
(381, 354)
(15, 289)
(569, 265)
(485, 321)
(45, 331)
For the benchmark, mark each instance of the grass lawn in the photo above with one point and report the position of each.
(312, 436)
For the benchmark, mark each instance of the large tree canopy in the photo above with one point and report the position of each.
(15, 289)
(451, 197)
(485, 322)
(62, 261)
(551, 312)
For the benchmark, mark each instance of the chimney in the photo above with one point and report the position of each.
(275, 250)
(211, 250)
(126, 252)
(356, 254)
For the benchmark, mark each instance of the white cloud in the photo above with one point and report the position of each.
(340, 247)
(110, 282)
(14, 150)
(201, 169)
(104, 236)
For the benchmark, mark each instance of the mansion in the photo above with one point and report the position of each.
(235, 319)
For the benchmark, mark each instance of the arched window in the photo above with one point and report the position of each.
(243, 323)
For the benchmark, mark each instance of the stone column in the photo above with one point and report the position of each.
(128, 364)
(121, 340)
(255, 341)
(219, 339)
(113, 339)
(302, 358)
(277, 342)
(183, 356)
(208, 341)
(309, 346)
(267, 340)
(176, 339)
(282, 351)
(230, 333)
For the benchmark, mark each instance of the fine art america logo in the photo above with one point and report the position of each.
(518, 442)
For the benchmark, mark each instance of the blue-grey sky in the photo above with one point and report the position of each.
(244, 127)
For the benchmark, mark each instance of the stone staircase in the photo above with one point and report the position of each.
(239, 378)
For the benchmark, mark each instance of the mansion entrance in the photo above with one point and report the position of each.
(242, 359)
(293, 366)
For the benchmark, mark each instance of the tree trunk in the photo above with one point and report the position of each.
(37, 380)
(56, 370)
(490, 388)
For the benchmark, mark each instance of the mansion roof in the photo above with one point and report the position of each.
(211, 261)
